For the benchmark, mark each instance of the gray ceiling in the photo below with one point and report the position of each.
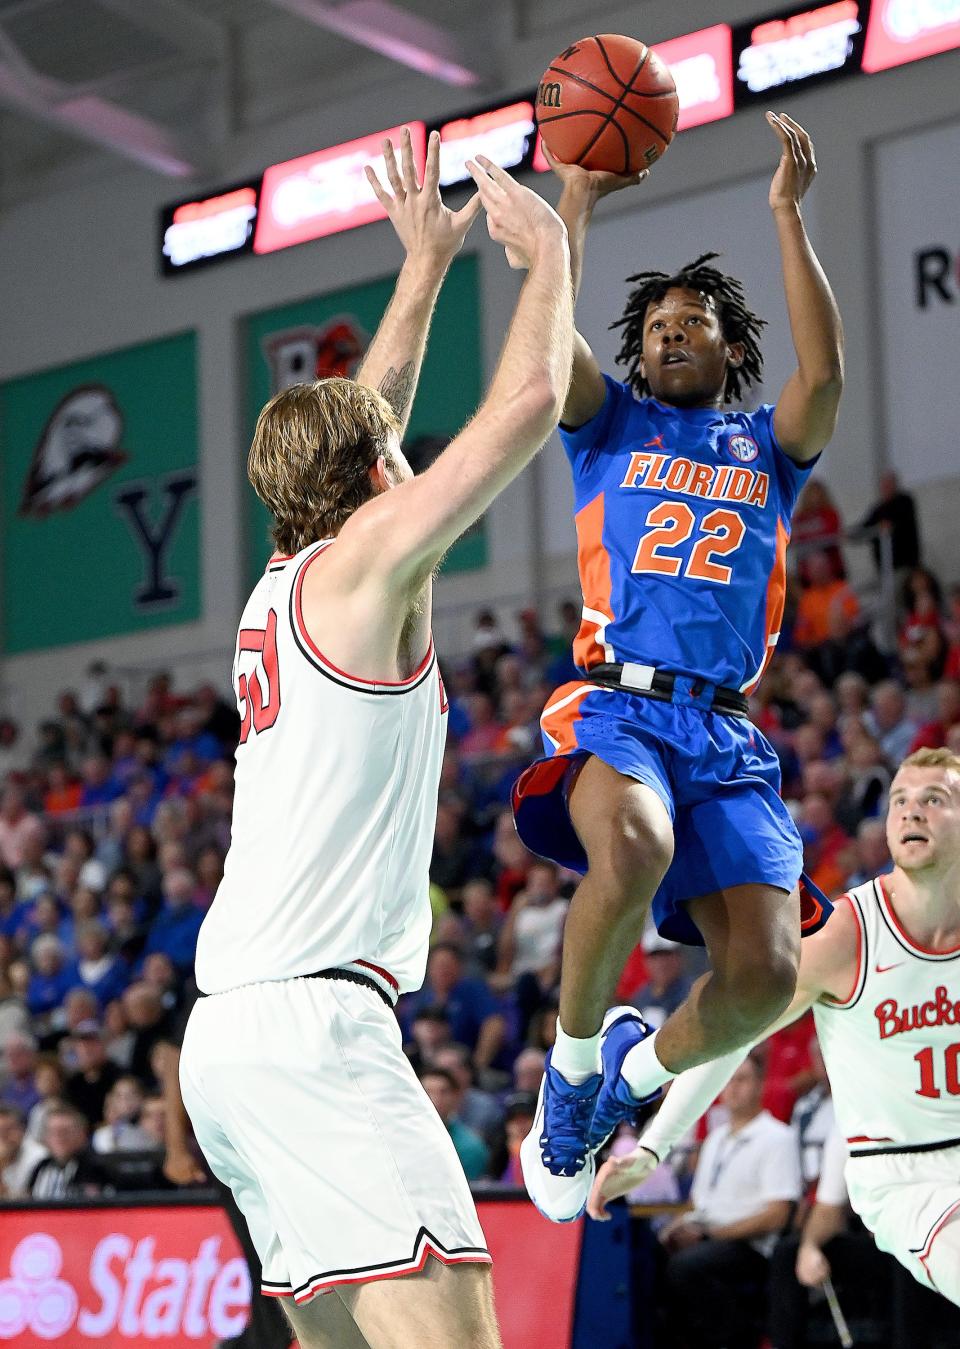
(168, 83)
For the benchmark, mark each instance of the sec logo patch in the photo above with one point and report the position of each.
(743, 448)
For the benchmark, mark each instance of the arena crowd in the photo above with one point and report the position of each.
(115, 819)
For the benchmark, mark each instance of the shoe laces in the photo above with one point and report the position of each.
(565, 1148)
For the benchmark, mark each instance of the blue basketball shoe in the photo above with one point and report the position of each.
(623, 1027)
(556, 1156)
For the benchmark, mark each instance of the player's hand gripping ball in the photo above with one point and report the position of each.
(608, 102)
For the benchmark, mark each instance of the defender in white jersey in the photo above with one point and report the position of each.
(883, 979)
(292, 1069)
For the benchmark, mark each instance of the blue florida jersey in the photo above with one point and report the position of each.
(683, 518)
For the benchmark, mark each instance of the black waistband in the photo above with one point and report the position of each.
(347, 976)
(907, 1148)
(730, 702)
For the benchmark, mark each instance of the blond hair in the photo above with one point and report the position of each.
(311, 455)
(932, 758)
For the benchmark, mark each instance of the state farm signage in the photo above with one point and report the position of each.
(116, 1277)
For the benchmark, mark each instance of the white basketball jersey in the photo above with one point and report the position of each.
(335, 807)
(892, 1050)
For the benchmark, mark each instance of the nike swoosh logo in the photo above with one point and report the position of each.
(882, 969)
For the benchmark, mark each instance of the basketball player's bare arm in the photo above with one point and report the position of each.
(582, 189)
(432, 236)
(828, 970)
(401, 534)
(806, 412)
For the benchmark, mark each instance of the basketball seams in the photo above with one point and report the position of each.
(608, 63)
(617, 105)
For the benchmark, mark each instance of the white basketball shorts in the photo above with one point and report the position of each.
(304, 1103)
(906, 1199)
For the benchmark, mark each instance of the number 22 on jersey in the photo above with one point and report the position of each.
(255, 709)
(671, 523)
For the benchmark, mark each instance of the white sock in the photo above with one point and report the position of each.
(642, 1070)
(576, 1060)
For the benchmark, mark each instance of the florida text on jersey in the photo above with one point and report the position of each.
(683, 519)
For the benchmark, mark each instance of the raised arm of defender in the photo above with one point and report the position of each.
(404, 532)
(432, 236)
(828, 969)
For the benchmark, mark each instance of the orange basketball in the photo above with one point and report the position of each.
(608, 102)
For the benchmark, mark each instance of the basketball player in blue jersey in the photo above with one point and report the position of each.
(655, 783)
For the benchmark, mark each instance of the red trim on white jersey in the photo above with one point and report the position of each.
(424, 1247)
(858, 986)
(314, 653)
(924, 1255)
(903, 936)
(383, 980)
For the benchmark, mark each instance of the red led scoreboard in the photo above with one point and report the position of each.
(718, 70)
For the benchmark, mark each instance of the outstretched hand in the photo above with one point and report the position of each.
(427, 229)
(798, 164)
(516, 217)
(619, 1176)
(594, 182)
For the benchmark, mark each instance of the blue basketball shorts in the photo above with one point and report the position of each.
(717, 776)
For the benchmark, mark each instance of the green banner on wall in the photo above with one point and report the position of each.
(328, 335)
(98, 491)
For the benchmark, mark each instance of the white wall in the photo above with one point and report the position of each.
(79, 276)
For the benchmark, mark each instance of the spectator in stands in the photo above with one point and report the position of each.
(482, 922)
(19, 1063)
(824, 595)
(812, 1119)
(209, 875)
(852, 692)
(14, 1016)
(474, 1018)
(528, 1069)
(455, 859)
(933, 735)
(159, 972)
(520, 1110)
(922, 629)
(528, 955)
(79, 845)
(63, 791)
(88, 1087)
(50, 1080)
(120, 1131)
(100, 787)
(868, 780)
(153, 1121)
(148, 1020)
(13, 755)
(34, 875)
(51, 978)
(873, 855)
(486, 730)
(847, 648)
(19, 1154)
(441, 1086)
(479, 1110)
(667, 982)
(70, 1170)
(99, 969)
(745, 1186)
(176, 927)
(895, 514)
(890, 722)
(816, 520)
(920, 677)
(803, 1261)
(17, 824)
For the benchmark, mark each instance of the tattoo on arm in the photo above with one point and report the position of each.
(397, 387)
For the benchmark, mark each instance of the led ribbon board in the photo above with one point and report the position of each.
(205, 229)
(797, 48)
(327, 191)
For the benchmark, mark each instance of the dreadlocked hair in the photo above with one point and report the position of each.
(737, 322)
